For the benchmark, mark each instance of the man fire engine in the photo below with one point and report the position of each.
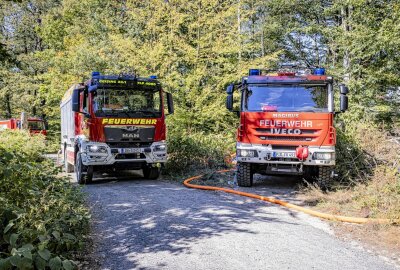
(286, 124)
(114, 122)
(35, 125)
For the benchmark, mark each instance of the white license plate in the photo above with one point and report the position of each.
(284, 154)
(130, 150)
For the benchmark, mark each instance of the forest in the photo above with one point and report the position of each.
(196, 49)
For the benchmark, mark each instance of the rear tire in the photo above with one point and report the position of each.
(68, 167)
(84, 174)
(151, 173)
(325, 178)
(244, 175)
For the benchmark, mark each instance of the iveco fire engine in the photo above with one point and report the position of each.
(286, 124)
(114, 122)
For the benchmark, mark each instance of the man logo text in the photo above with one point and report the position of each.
(130, 136)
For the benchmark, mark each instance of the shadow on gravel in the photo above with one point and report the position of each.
(135, 217)
(123, 176)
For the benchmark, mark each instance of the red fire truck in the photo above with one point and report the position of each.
(35, 125)
(286, 124)
(114, 122)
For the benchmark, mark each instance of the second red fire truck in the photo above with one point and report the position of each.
(115, 122)
(35, 125)
(286, 124)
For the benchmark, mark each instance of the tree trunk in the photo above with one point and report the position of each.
(239, 31)
(345, 14)
(8, 106)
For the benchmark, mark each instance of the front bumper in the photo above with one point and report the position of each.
(106, 155)
(268, 154)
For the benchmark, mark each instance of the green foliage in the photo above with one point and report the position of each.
(351, 160)
(43, 220)
(197, 149)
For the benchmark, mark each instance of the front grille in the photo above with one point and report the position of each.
(129, 134)
(130, 156)
(286, 138)
(303, 131)
(128, 144)
(283, 147)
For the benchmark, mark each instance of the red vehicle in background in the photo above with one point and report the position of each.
(114, 122)
(35, 125)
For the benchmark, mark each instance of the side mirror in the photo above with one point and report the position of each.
(92, 88)
(344, 103)
(170, 103)
(229, 89)
(344, 90)
(229, 102)
(76, 100)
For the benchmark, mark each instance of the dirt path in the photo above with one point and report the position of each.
(143, 224)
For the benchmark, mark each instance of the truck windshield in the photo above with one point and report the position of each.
(35, 125)
(286, 98)
(127, 102)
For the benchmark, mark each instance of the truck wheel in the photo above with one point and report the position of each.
(84, 174)
(151, 173)
(244, 175)
(324, 179)
(69, 168)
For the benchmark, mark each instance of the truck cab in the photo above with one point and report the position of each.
(36, 126)
(286, 124)
(115, 122)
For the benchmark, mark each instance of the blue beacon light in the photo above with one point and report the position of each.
(319, 71)
(95, 73)
(153, 77)
(254, 72)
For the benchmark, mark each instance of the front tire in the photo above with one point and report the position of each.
(151, 173)
(324, 179)
(244, 174)
(84, 174)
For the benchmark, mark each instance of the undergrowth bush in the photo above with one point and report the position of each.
(43, 221)
(197, 150)
(368, 161)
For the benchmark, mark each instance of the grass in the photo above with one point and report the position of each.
(371, 186)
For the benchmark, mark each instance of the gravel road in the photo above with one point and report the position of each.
(143, 224)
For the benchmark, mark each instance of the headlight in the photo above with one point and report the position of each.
(246, 153)
(324, 156)
(97, 149)
(160, 147)
(93, 148)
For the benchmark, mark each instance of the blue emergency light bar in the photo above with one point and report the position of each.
(293, 72)
(153, 77)
(95, 73)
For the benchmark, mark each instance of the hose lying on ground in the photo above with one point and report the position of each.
(290, 205)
